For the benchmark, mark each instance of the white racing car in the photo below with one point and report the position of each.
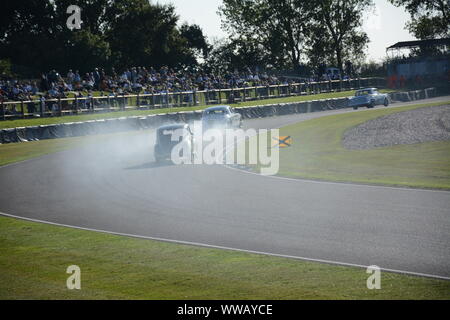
(221, 117)
(369, 98)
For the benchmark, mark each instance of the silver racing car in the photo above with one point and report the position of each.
(369, 98)
(221, 117)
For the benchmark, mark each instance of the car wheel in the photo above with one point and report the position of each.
(371, 105)
(386, 102)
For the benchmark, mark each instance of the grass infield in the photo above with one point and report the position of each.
(317, 153)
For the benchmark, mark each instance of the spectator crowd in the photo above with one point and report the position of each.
(132, 80)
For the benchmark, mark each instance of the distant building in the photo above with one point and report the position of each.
(420, 63)
(419, 58)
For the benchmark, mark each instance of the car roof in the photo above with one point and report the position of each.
(173, 126)
(217, 108)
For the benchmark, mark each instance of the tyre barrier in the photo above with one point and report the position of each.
(291, 108)
(413, 95)
(115, 125)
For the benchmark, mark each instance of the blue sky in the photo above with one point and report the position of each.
(385, 26)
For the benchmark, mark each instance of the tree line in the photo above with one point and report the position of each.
(292, 34)
(34, 36)
(299, 35)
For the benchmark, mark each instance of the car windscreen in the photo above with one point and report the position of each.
(215, 112)
(363, 92)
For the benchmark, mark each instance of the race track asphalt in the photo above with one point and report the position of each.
(116, 187)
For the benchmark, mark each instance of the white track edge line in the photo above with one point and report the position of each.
(419, 274)
(356, 184)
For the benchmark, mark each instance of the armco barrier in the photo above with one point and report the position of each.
(92, 127)
(413, 95)
(151, 101)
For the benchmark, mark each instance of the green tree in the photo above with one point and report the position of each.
(92, 14)
(289, 31)
(320, 50)
(141, 33)
(5, 69)
(228, 55)
(86, 48)
(279, 27)
(35, 38)
(27, 33)
(195, 38)
(338, 27)
(429, 18)
(86, 51)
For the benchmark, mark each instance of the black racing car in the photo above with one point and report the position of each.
(165, 144)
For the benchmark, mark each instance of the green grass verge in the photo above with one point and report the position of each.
(118, 114)
(34, 258)
(317, 153)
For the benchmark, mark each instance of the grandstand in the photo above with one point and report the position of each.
(419, 63)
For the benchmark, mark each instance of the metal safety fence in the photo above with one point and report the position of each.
(148, 101)
(143, 122)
